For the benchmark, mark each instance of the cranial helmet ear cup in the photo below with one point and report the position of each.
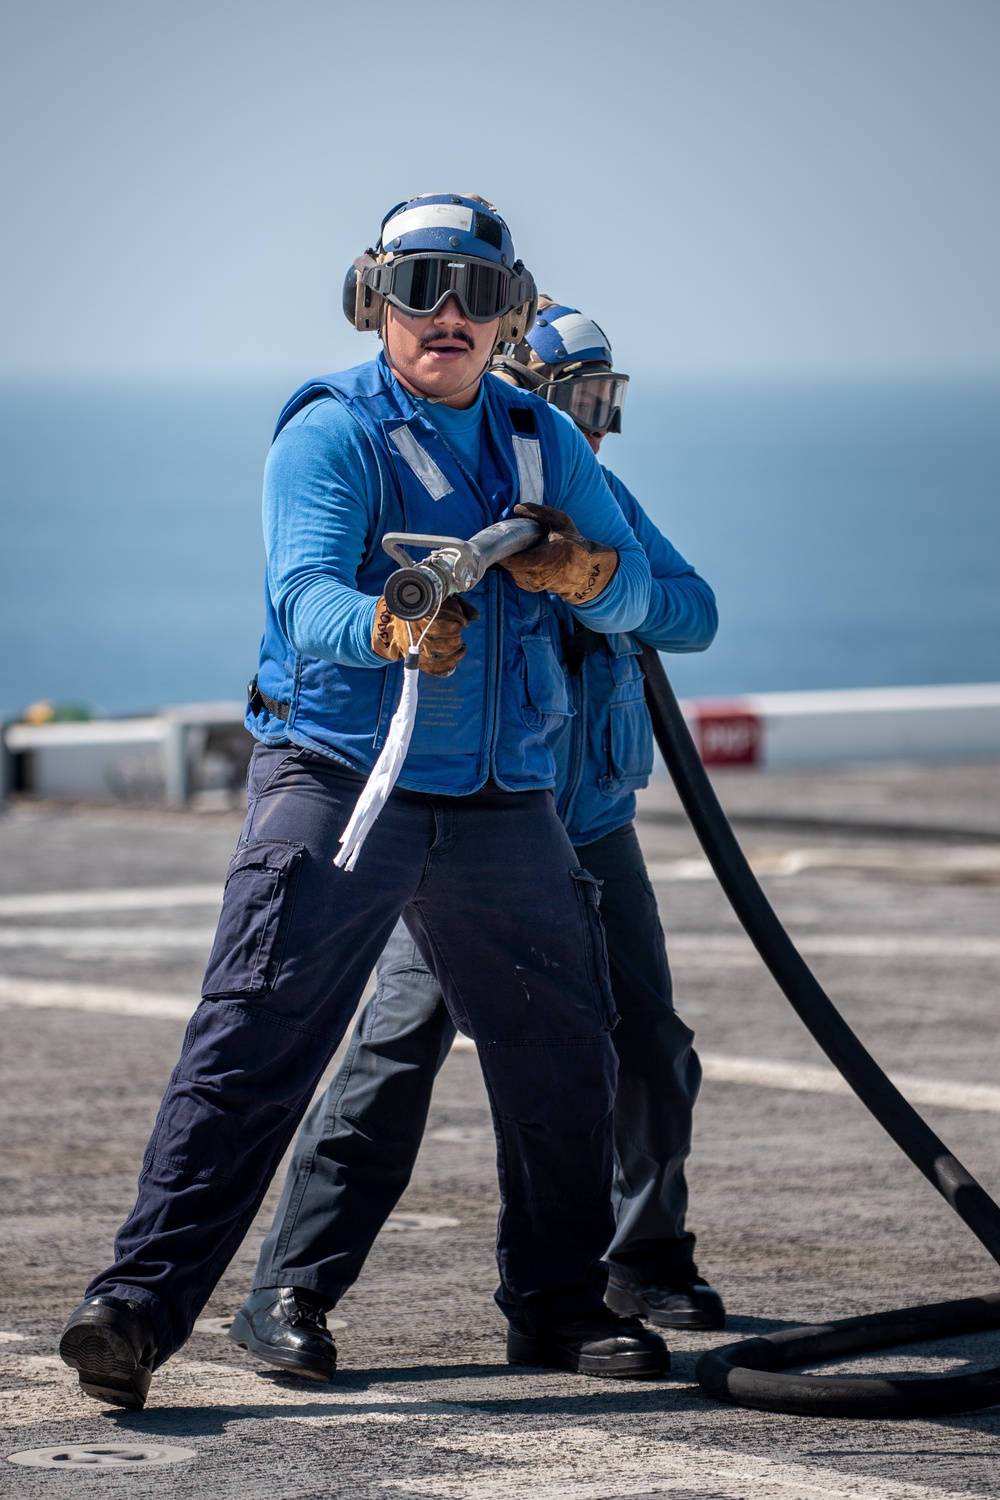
(350, 294)
(516, 325)
(362, 306)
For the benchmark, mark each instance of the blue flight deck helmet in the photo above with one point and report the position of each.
(562, 336)
(437, 246)
(447, 222)
(566, 359)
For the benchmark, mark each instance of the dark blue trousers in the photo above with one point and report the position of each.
(357, 1147)
(508, 922)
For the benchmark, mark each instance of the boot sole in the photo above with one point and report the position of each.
(525, 1349)
(626, 1304)
(107, 1365)
(243, 1335)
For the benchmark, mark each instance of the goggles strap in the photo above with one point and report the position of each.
(423, 395)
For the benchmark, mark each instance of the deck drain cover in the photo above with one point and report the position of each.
(213, 1325)
(419, 1221)
(106, 1455)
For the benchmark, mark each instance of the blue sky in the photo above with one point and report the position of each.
(734, 187)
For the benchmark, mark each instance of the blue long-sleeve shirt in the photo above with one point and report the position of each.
(605, 751)
(682, 614)
(321, 503)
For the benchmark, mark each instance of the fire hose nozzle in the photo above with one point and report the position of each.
(452, 566)
(414, 593)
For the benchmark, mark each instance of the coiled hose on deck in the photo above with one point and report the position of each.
(750, 1373)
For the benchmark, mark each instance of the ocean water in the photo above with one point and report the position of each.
(851, 532)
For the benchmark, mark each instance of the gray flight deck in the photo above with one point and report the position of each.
(889, 876)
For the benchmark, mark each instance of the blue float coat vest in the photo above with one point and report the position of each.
(604, 752)
(491, 717)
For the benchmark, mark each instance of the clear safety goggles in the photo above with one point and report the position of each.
(594, 400)
(420, 284)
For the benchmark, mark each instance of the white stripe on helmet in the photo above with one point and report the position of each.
(578, 332)
(427, 216)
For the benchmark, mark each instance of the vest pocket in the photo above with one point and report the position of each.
(544, 682)
(256, 911)
(624, 651)
(629, 747)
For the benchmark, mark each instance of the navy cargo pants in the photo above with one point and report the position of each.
(509, 924)
(356, 1150)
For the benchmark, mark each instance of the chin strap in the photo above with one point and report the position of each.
(436, 400)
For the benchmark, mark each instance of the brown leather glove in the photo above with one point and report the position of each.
(564, 562)
(442, 648)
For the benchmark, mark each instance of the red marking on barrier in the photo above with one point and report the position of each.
(728, 734)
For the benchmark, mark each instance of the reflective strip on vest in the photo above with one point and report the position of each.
(528, 452)
(420, 461)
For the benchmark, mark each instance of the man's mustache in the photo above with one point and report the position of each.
(459, 336)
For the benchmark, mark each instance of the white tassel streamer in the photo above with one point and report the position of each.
(386, 769)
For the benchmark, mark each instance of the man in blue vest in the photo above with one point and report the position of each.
(356, 1150)
(468, 845)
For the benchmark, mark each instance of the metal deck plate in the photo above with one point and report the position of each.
(106, 1455)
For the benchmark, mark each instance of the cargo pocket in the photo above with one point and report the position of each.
(544, 682)
(588, 890)
(256, 910)
(629, 748)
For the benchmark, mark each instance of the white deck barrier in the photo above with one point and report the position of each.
(960, 722)
(195, 747)
(158, 758)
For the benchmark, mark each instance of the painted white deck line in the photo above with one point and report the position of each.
(818, 1078)
(810, 1078)
(151, 939)
(103, 999)
(556, 1465)
(956, 862)
(134, 898)
(711, 951)
(697, 948)
(722, 945)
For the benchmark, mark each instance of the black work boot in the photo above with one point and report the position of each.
(599, 1344)
(286, 1325)
(112, 1343)
(675, 1299)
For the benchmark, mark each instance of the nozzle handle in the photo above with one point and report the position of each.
(454, 566)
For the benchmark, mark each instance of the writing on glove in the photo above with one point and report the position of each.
(563, 562)
(441, 649)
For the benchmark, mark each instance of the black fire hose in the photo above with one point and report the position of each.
(748, 1373)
